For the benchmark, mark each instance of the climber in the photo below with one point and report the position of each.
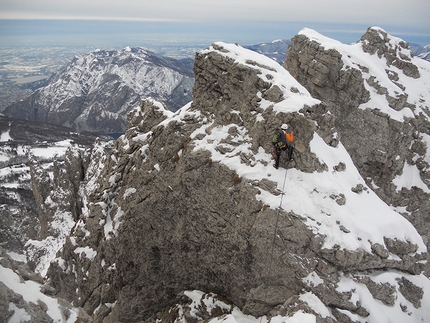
(283, 141)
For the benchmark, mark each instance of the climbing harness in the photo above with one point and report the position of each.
(275, 233)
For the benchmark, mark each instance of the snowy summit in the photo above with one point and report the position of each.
(186, 219)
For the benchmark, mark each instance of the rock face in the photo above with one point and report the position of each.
(35, 304)
(190, 201)
(95, 91)
(29, 149)
(385, 133)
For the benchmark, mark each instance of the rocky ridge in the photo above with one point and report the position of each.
(31, 155)
(95, 91)
(381, 116)
(151, 228)
(24, 144)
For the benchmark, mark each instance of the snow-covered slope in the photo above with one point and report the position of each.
(378, 96)
(27, 301)
(188, 203)
(95, 91)
(309, 194)
(331, 242)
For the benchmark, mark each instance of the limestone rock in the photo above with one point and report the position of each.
(12, 303)
(411, 292)
(381, 146)
(164, 213)
(377, 41)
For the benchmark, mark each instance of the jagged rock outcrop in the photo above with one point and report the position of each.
(226, 253)
(97, 90)
(189, 201)
(381, 112)
(59, 200)
(24, 143)
(35, 304)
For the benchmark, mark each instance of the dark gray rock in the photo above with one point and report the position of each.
(374, 140)
(411, 292)
(160, 217)
(383, 292)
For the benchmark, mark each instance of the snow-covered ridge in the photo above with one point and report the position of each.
(384, 122)
(335, 248)
(364, 215)
(391, 80)
(336, 205)
(295, 96)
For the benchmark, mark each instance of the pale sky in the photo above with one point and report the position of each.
(409, 17)
(393, 12)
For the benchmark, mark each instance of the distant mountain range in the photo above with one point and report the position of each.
(421, 51)
(276, 50)
(95, 91)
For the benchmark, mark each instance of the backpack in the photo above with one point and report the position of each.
(276, 139)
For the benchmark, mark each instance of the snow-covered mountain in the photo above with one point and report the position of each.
(185, 219)
(425, 53)
(421, 51)
(95, 91)
(377, 94)
(276, 50)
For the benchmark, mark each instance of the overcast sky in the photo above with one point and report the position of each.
(399, 17)
(393, 12)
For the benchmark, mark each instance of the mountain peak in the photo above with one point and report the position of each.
(95, 91)
(197, 187)
(188, 203)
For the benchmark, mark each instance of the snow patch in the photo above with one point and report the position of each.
(380, 313)
(409, 178)
(313, 279)
(128, 192)
(87, 252)
(315, 303)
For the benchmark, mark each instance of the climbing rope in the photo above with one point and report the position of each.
(276, 231)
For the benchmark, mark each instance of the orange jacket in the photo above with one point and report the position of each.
(289, 137)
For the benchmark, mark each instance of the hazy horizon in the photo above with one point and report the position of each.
(108, 34)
